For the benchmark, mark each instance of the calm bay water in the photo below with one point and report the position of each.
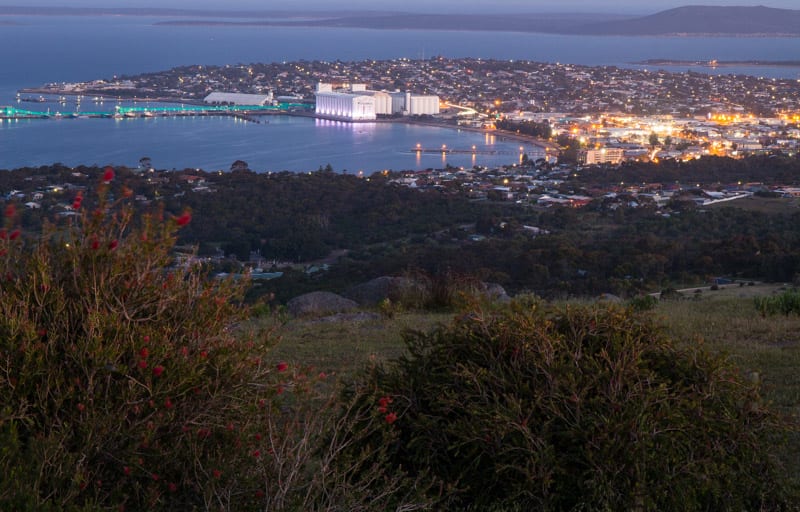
(53, 49)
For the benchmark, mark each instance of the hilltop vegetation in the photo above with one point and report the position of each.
(131, 381)
(616, 244)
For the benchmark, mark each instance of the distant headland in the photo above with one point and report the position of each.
(690, 21)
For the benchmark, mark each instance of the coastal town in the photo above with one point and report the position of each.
(581, 116)
(614, 114)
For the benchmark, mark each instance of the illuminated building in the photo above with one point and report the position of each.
(356, 103)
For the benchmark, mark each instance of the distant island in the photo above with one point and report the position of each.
(682, 21)
(695, 21)
(717, 63)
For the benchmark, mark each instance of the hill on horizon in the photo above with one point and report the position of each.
(703, 20)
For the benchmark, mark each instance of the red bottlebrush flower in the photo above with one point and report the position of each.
(126, 470)
(172, 487)
(3, 234)
(256, 453)
(146, 338)
(142, 364)
(143, 353)
(95, 244)
(280, 390)
(382, 409)
(10, 210)
(158, 370)
(259, 493)
(216, 473)
(113, 244)
(322, 375)
(108, 174)
(14, 234)
(257, 436)
(203, 354)
(184, 219)
(168, 403)
(81, 407)
(230, 427)
(390, 418)
(42, 333)
(154, 476)
(282, 366)
(185, 351)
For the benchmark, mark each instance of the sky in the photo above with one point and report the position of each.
(616, 6)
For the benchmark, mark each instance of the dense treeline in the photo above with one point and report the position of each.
(767, 169)
(386, 229)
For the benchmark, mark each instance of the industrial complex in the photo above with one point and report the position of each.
(355, 103)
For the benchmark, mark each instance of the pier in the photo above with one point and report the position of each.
(243, 112)
(459, 151)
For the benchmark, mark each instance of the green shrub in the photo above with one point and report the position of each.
(786, 303)
(540, 408)
(643, 303)
(121, 381)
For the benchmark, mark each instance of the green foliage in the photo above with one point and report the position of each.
(574, 408)
(786, 303)
(643, 303)
(118, 368)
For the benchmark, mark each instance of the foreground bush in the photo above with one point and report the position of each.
(537, 408)
(121, 382)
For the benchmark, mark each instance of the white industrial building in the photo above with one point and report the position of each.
(237, 98)
(356, 103)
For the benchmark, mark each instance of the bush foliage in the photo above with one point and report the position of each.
(786, 303)
(121, 382)
(538, 408)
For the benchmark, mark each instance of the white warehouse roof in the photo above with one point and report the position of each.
(236, 98)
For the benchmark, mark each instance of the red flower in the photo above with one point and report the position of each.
(154, 476)
(95, 244)
(282, 366)
(185, 351)
(184, 219)
(14, 234)
(158, 370)
(168, 403)
(143, 353)
(108, 174)
(113, 244)
(172, 487)
(216, 473)
(146, 338)
(126, 470)
(142, 364)
(10, 210)
(81, 407)
(391, 418)
(256, 453)
(126, 192)
(3, 234)
(259, 493)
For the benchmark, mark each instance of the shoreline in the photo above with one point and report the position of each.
(544, 144)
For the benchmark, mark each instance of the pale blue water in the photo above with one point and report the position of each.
(53, 49)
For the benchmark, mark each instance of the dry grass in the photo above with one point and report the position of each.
(342, 347)
(730, 324)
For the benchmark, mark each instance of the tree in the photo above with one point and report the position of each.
(654, 140)
(239, 165)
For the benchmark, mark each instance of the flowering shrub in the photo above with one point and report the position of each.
(540, 408)
(120, 373)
